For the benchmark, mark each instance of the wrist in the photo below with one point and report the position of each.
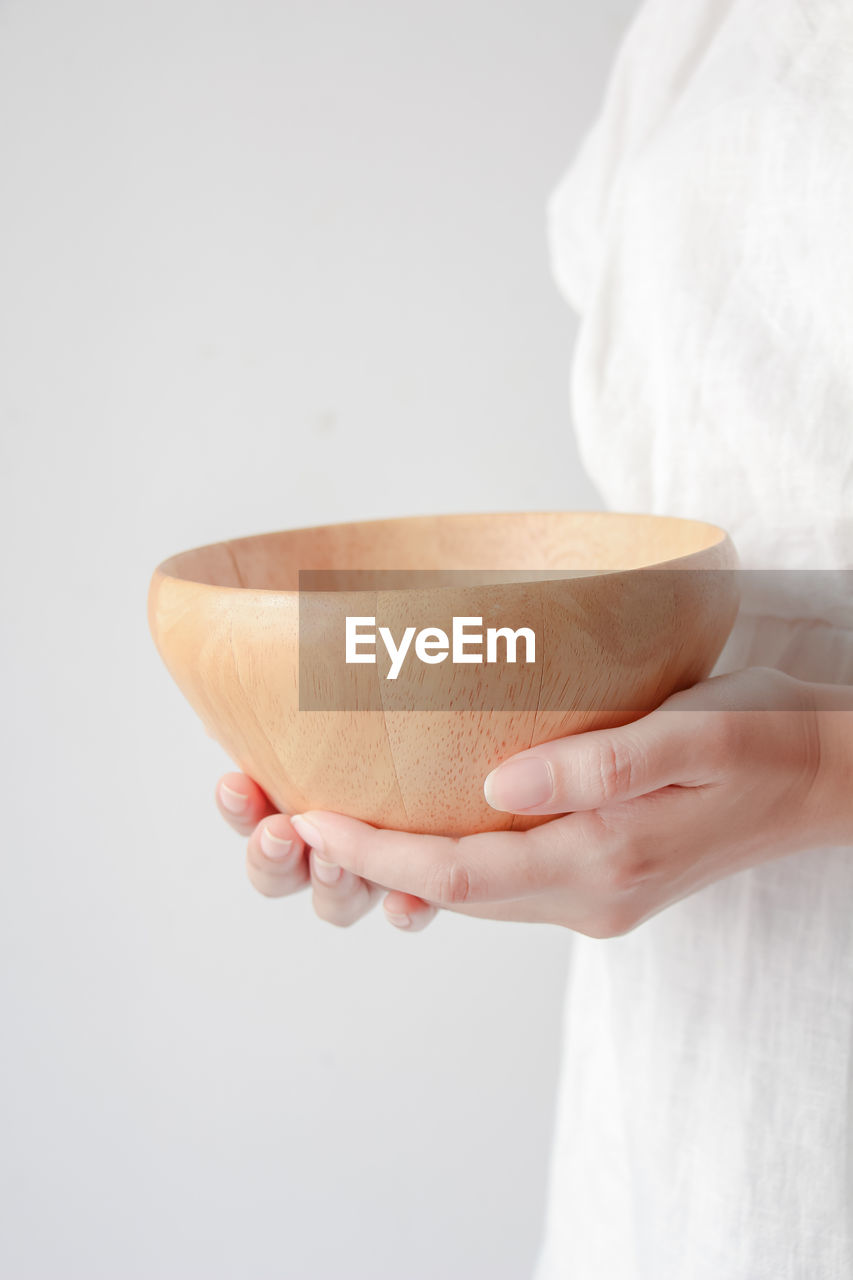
(831, 706)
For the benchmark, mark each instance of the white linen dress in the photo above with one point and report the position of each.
(705, 235)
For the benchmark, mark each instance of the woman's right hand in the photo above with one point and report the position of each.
(279, 863)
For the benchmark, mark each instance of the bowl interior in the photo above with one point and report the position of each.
(517, 544)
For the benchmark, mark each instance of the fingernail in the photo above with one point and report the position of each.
(519, 784)
(308, 832)
(401, 921)
(234, 801)
(274, 846)
(326, 872)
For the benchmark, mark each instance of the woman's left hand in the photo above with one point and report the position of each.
(735, 771)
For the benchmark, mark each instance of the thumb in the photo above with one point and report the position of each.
(590, 770)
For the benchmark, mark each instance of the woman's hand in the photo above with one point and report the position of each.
(738, 770)
(279, 863)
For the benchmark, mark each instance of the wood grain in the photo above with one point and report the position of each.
(641, 619)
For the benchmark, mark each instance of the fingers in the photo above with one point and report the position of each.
(241, 802)
(278, 863)
(407, 912)
(601, 767)
(276, 859)
(339, 897)
(440, 870)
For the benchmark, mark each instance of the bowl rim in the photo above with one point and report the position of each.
(721, 542)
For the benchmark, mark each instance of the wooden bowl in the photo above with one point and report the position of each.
(623, 609)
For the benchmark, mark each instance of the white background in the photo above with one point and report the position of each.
(261, 265)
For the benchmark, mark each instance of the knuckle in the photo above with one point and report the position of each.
(622, 863)
(774, 681)
(724, 734)
(450, 883)
(613, 768)
(618, 862)
(614, 875)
